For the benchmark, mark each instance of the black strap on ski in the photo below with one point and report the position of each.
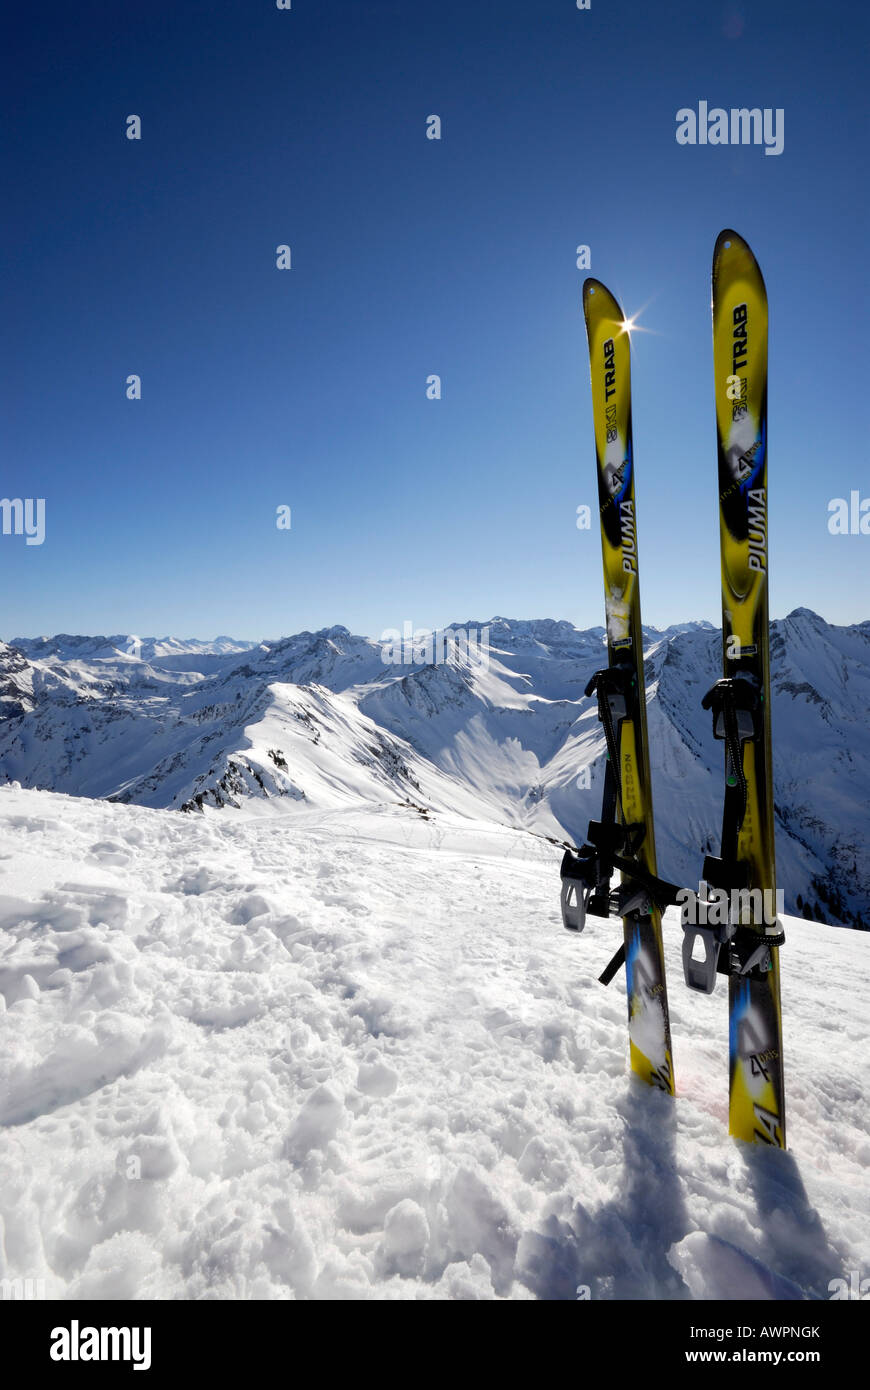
(613, 686)
(611, 844)
(613, 966)
(586, 872)
(730, 949)
(736, 705)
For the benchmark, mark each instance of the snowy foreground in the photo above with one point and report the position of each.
(354, 1055)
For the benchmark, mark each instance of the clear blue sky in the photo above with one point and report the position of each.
(411, 257)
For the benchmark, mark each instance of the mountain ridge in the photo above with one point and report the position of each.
(320, 719)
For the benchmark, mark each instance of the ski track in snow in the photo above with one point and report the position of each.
(353, 1054)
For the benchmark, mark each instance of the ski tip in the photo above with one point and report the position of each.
(597, 297)
(728, 235)
(730, 244)
(732, 251)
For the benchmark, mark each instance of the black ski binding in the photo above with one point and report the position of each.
(736, 705)
(739, 693)
(585, 887)
(728, 950)
(611, 845)
(612, 685)
(586, 875)
(729, 947)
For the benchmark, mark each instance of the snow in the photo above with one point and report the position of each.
(349, 1052)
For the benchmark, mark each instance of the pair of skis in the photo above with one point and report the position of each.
(741, 940)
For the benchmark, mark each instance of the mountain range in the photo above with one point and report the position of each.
(507, 736)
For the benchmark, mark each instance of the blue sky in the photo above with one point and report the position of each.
(411, 257)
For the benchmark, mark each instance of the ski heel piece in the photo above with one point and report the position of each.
(573, 903)
(729, 949)
(700, 974)
(700, 971)
(581, 877)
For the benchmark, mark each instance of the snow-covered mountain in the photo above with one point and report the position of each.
(320, 719)
(163, 652)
